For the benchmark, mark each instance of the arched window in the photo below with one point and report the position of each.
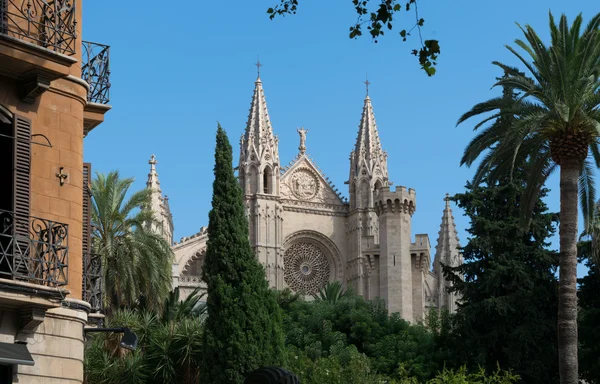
(242, 179)
(353, 192)
(364, 194)
(253, 177)
(376, 190)
(267, 181)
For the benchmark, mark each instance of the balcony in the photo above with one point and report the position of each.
(33, 251)
(92, 282)
(37, 41)
(48, 23)
(95, 71)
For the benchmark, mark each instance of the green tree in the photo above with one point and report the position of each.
(589, 302)
(379, 19)
(136, 262)
(555, 124)
(319, 330)
(507, 284)
(243, 329)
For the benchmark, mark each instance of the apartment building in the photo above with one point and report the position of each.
(53, 92)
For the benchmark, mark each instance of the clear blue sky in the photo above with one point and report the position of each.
(177, 68)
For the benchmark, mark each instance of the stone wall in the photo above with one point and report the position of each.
(56, 345)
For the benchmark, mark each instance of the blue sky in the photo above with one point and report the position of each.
(177, 69)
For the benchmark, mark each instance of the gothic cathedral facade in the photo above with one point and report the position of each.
(306, 234)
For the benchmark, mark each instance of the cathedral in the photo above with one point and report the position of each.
(306, 234)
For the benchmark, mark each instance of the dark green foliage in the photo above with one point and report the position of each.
(243, 328)
(320, 333)
(509, 293)
(168, 351)
(589, 314)
(378, 20)
(462, 376)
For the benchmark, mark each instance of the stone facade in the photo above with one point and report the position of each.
(45, 112)
(305, 233)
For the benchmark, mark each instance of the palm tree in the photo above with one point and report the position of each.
(136, 262)
(332, 292)
(191, 307)
(554, 122)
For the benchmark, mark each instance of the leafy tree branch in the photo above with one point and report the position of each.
(377, 20)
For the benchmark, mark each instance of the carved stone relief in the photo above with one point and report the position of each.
(304, 184)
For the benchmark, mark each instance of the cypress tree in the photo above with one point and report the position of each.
(243, 330)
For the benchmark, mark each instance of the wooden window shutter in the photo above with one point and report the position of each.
(21, 195)
(22, 180)
(87, 226)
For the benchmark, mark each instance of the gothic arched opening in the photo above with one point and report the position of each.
(353, 192)
(253, 178)
(364, 194)
(376, 190)
(267, 180)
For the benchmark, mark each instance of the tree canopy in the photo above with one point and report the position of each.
(508, 309)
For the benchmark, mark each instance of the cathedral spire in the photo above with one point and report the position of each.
(446, 252)
(159, 205)
(447, 244)
(153, 182)
(368, 154)
(259, 143)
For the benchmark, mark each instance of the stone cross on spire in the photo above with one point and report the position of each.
(258, 65)
(153, 176)
(367, 83)
(302, 133)
(152, 162)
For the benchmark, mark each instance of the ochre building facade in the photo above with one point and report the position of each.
(306, 234)
(46, 109)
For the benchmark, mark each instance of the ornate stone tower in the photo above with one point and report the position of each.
(446, 252)
(395, 210)
(259, 176)
(368, 173)
(159, 205)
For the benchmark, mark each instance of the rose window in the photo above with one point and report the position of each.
(306, 268)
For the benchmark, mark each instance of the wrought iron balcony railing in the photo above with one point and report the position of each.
(95, 71)
(48, 23)
(92, 281)
(33, 250)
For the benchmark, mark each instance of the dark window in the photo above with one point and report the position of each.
(267, 180)
(7, 159)
(5, 374)
(15, 161)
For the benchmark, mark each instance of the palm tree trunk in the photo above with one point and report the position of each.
(567, 291)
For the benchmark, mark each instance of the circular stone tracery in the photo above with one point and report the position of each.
(306, 268)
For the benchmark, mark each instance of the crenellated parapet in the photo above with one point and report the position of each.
(401, 200)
